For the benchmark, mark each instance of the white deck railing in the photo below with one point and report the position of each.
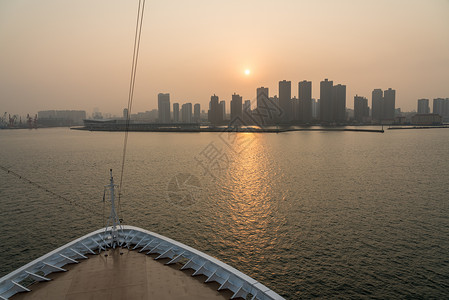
(137, 239)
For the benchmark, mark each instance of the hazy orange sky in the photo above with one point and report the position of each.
(77, 54)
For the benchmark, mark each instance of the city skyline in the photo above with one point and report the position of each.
(302, 110)
(194, 50)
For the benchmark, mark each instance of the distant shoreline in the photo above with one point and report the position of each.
(419, 127)
(224, 129)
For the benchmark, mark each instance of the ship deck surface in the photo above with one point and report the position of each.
(131, 275)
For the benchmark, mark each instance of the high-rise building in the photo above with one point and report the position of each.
(296, 111)
(339, 103)
(197, 113)
(326, 108)
(389, 104)
(315, 108)
(247, 111)
(441, 107)
(262, 97)
(285, 97)
(438, 104)
(266, 107)
(214, 114)
(305, 101)
(175, 112)
(186, 112)
(223, 109)
(274, 102)
(423, 106)
(236, 107)
(274, 111)
(125, 113)
(446, 110)
(361, 109)
(377, 105)
(163, 106)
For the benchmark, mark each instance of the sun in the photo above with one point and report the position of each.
(247, 71)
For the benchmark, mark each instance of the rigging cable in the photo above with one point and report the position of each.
(41, 187)
(139, 22)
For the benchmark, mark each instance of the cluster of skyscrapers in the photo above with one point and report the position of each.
(285, 109)
(184, 115)
(440, 112)
(440, 107)
(383, 107)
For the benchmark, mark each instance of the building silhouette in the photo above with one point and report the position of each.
(61, 117)
(426, 119)
(247, 113)
(262, 97)
(236, 107)
(383, 105)
(305, 101)
(267, 110)
(438, 106)
(339, 103)
(377, 103)
(423, 106)
(163, 105)
(197, 113)
(215, 113)
(125, 113)
(389, 104)
(285, 97)
(223, 109)
(175, 112)
(326, 108)
(186, 113)
(296, 110)
(441, 107)
(332, 102)
(361, 109)
(315, 109)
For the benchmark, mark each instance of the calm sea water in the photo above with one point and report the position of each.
(309, 214)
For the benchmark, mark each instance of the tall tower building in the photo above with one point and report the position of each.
(305, 101)
(295, 110)
(264, 109)
(223, 109)
(446, 110)
(389, 104)
(377, 105)
(175, 112)
(236, 107)
(215, 115)
(339, 103)
(186, 112)
(197, 113)
(423, 106)
(438, 106)
(125, 113)
(441, 107)
(315, 109)
(285, 97)
(247, 111)
(262, 97)
(361, 109)
(163, 106)
(326, 108)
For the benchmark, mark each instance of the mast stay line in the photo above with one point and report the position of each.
(138, 32)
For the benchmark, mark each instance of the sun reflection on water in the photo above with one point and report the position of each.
(248, 205)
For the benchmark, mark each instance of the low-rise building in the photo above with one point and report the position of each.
(427, 119)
